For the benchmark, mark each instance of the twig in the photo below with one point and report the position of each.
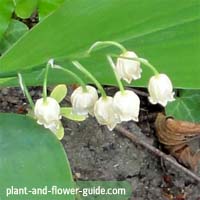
(139, 92)
(156, 151)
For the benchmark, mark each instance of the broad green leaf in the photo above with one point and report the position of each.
(186, 107)
(31, 157)
(6, 9)
(48, 6)
(168, 37)
(15, 30)
(59, 92)
(67, 113)
(25, 8)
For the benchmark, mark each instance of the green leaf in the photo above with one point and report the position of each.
(59, 92)
(60, 132)
(67, 113)
(6, 9)
(25, 8)
(168, 37)
(31, 157)
(186, 107)
(15, 30)
(48, 6)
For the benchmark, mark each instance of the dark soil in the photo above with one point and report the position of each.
(98, 154)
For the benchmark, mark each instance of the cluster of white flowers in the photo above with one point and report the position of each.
(160, 87)
(125, 105)
(109, 111)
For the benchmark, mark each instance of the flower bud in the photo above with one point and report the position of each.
(83, 101)
(160, 89)
(104, 113)
(47, 113)
(126, 105)
(128, 69)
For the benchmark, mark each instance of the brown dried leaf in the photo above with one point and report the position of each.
(185, 155)
(175, 135)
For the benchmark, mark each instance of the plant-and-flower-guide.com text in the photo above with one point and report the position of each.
(55, 190)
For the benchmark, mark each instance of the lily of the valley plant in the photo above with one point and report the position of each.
(109, 111)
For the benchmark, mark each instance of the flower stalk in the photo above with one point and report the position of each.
(50, 63)
(73, 75)
(106, 43)
(25, 91)
(121, 87)
(87, 73)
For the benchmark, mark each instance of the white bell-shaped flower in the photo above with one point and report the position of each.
(48, 113)
(104, 113)
(83, 101)
(128, 69)
(160, 89)
(126, 105)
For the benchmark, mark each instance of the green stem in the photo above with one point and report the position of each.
(107, 43)
(25, 91)
(142, 60)
(87, 73)
(72, 74)
(121, 87)
(14, 2)
(45, 81)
